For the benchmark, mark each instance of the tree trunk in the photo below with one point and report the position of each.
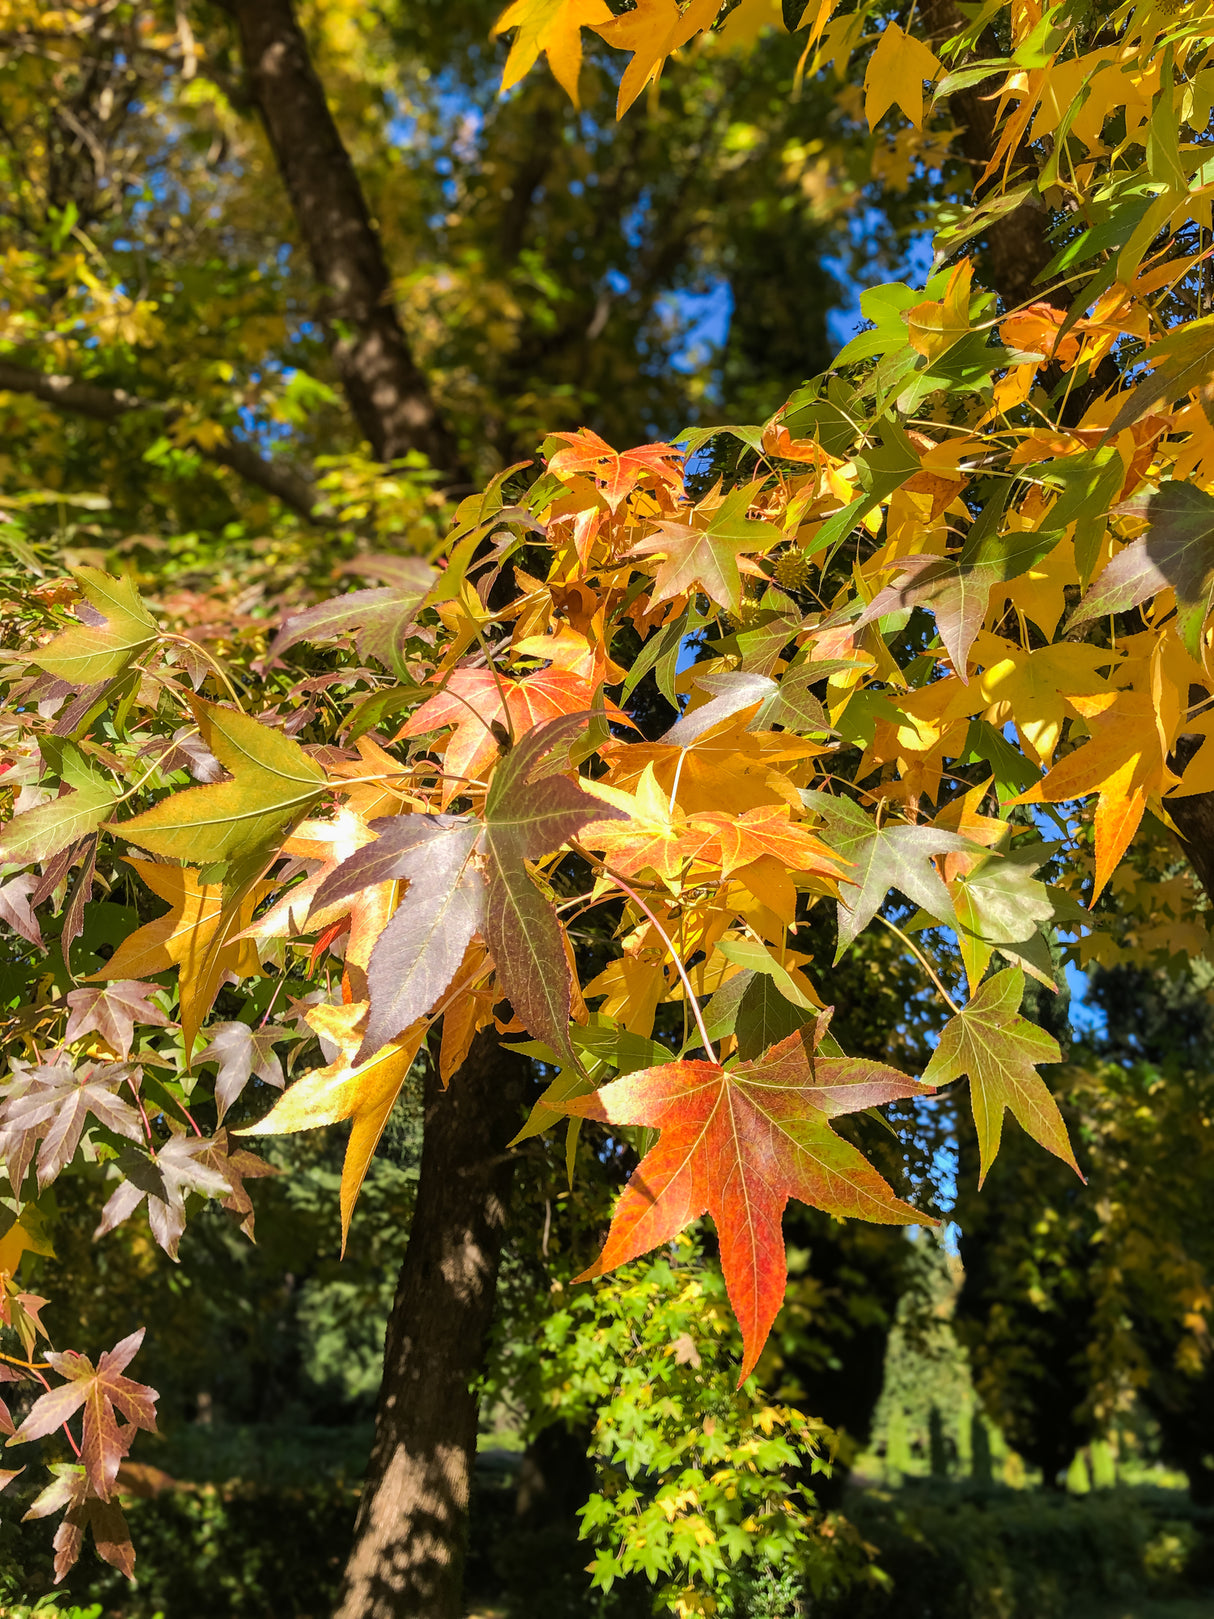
(1016, 243)
(407, 1560)
(387, 392)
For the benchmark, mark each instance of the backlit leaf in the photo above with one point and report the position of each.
(274, 784)
(97, 652)
(99, 1393)
(1000, 1051)
(199, 935)
(364, 1093)
(554, 27)
(737, 1143)
(894, 855)
(1177, 550)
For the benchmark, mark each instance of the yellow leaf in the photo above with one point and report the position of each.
(17, 1240)
(895, 76)
(554, 27)
(197, 936)
(364, 1095)
(652, 32)
(748, 20)
(933, 328)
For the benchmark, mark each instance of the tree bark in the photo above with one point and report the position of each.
(388, 394)
(407, 1560)
(1017, 243)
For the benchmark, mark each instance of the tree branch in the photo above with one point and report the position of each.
(1017, 243)
(108, 404)
(388, 394)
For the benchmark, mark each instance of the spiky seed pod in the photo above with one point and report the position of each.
(792, 571)
(745, 615)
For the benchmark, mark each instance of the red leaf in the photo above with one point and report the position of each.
(98, 1390)
(737, 1143)
(69, 1489)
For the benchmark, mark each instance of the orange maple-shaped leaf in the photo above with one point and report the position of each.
(737, 1143)
(658, 836)
(474, 700)
(618, 471)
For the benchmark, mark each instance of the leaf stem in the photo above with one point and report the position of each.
(156, 765)
(923, 962)
(33, 1370)
(674, 955)
(184, 640)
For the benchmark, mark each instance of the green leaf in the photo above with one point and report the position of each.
(661, 651)
(750, 1006)
(1000, 1051)
(274, 784)
(602, 1050)
(1090, 484)
(1001, 903)
(87, 654)
(896, 855)
(749, 953)
(793, 705)
(883, 467)
(39, 833)
(1011, 771)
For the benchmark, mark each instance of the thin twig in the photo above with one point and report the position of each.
(666, 940)
(923, 962)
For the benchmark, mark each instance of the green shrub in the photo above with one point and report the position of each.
(953, 1553)
(235, 1551)
(275, 1549)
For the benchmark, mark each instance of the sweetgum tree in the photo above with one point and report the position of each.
(935, 634)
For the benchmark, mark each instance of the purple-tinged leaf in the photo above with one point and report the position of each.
(957, 589)
(379, 619)
(398, 837)
(55, 870)
(15, 908)
(529, 814)
(51, 1105)
(731, 692)
(184, 1164)
(112, 1011)
(100, 1394)
(240, 1053)
(1177, 550)
(78, 896)
(419, 952)
(70, 1489)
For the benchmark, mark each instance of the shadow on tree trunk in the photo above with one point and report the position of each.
(407, 1557)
